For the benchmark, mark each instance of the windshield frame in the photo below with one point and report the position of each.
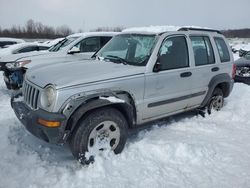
(110, 57)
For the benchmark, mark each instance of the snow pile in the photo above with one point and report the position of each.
(158, 29)
(238, 44)
(182, 151)
(112, 99)
(152, 29)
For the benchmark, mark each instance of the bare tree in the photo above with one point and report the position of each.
(63, 30)
(30, 27)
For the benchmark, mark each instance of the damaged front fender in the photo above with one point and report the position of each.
(77, 108)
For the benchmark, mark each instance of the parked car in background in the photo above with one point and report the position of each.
(242, 52)
(243, 69)
(6, 42)
(137, 77)
(74, 47)
(22, 48)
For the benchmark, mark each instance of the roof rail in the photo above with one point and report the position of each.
(198, 29)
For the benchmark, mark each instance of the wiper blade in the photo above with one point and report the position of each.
(118, 58)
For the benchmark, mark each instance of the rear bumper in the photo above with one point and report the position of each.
(241, 79)
(29, 119)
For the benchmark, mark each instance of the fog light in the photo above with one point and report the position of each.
(49, 123)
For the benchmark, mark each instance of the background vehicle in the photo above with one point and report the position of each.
(243, 69)
(137, 77)
(22, 48)
(6, 42)
(74, 47)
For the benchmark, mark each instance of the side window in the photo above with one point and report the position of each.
(104, 40)
(89, 44)
(6, 43)
(223, 50)
(43, 48)
(28, 49)
(173, 53)
(203, 51)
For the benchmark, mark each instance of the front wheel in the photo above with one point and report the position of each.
(102, 129)
(216, 102)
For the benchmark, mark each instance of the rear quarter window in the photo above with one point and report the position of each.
(222, 49)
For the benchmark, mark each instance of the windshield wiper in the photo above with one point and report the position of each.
(118, 58)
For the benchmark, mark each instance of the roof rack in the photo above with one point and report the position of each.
(198, 29)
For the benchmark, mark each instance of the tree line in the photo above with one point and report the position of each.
(239, 33)
(36, 30)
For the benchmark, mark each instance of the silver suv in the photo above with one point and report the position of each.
(135, 78)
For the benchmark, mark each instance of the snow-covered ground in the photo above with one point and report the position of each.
(182, 151)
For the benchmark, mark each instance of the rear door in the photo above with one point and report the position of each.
(205, 66)
(168, 90)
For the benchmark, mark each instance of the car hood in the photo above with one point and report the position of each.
(15, 57)
(242, 62)
(56, 57)
(80, 72)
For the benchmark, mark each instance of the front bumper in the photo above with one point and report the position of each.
(29, 119)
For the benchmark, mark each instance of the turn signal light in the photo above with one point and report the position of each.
(234, 71)
(49, 123)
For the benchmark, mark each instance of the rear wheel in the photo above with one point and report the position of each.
(102, 129)
(216, 102)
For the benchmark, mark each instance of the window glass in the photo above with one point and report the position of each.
(173, 53)
(104, 40)
(203, 51)
(6, 43)
(223, 50)
(43, 48)
(247, 56)
(28, 49)
(65, 42)
(133, 49)
(89, 44)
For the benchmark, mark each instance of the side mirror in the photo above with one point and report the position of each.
(157, 66)
(74, 50)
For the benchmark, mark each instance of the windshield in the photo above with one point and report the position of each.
(133, 49)
(62, 44)
(247, 56)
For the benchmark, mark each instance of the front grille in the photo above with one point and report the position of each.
(30, 95)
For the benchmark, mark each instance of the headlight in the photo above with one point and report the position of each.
(48, 96)
(18, 64)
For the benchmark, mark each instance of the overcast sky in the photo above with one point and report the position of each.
(90, 14)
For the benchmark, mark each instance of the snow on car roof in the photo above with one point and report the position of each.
(87, 34)
(50, 43)
(3, 39)
(158, 29)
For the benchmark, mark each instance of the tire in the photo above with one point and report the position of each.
(101, 125)
(8, 86)
(216, 101)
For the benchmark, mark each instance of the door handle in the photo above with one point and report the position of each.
(214, 69)
(186, 74)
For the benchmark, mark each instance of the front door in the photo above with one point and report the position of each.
(168, 89)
